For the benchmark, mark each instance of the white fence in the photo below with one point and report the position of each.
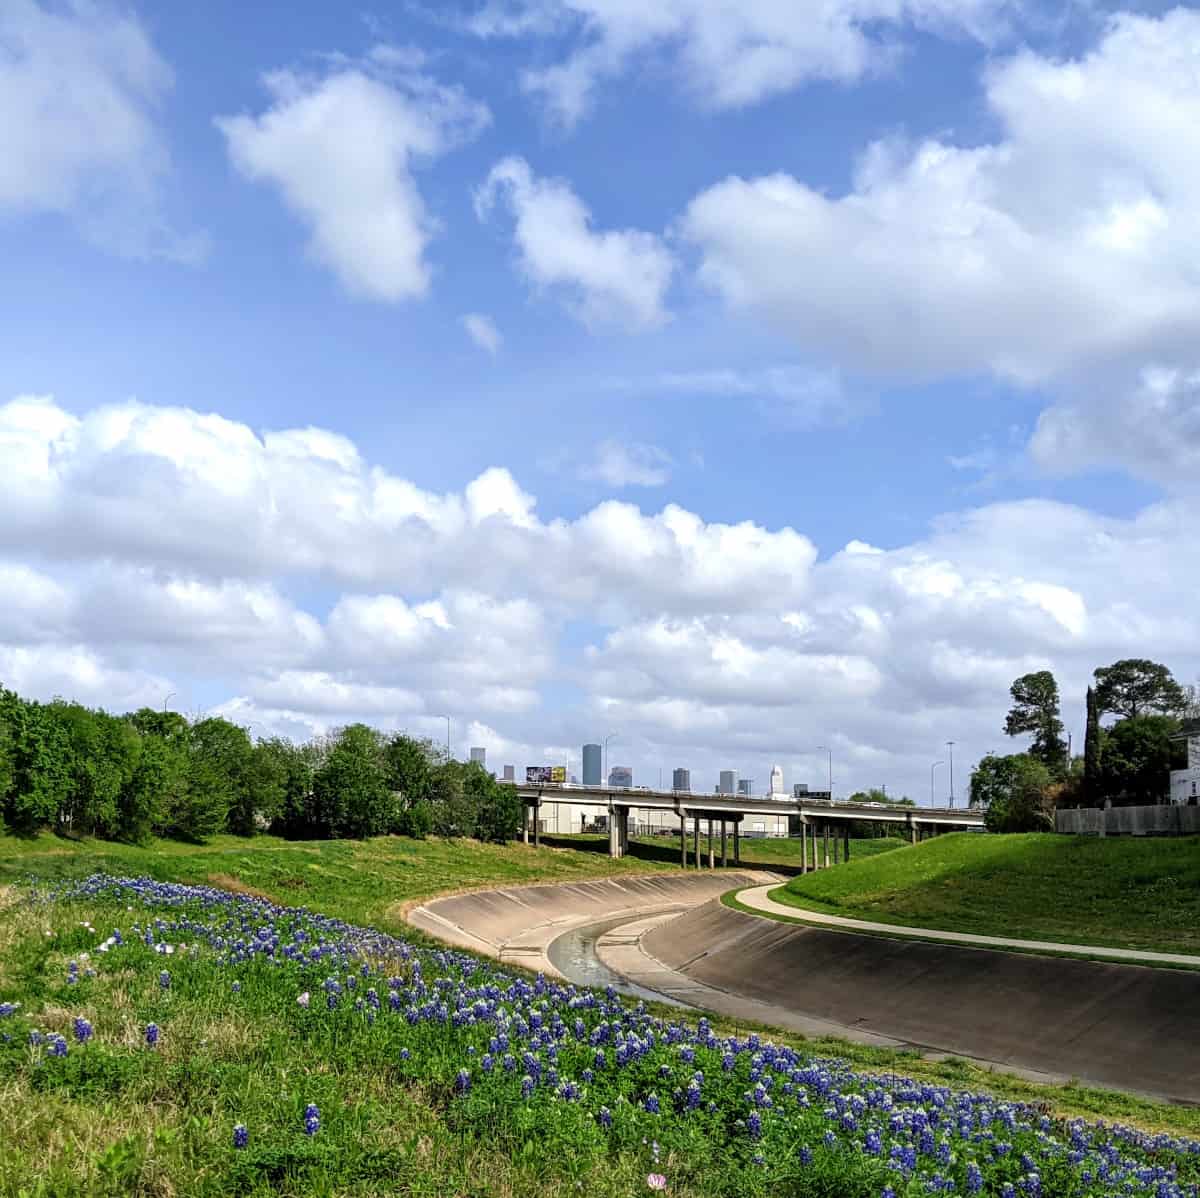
(1166, 819)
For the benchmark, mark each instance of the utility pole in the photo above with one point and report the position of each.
(823, 749)
(950, 745)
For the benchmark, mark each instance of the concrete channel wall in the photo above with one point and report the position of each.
(518, 924)
(1124, 1026)
(1165, 819)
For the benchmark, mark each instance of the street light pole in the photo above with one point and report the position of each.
(170, 696)
(950, 745)
(931, 769)
(823, 749)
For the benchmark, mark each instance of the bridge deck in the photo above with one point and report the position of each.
(731, 806)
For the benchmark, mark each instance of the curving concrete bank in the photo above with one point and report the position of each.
(518, 924)
(1123, 1026)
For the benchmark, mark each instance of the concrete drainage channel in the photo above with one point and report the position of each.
(668, 937)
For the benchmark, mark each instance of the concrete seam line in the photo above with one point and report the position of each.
(778, 913)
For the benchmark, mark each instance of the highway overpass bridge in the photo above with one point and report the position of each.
(819, 818)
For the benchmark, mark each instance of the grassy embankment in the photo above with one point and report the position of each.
(772, 853)
(361, 881)
(1117, 891)
(115, 1117)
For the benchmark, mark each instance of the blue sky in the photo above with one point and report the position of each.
(921, 278)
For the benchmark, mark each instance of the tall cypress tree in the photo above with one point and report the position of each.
(1091, 749)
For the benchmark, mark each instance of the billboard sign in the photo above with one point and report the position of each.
(544, 775)
(1185, 787)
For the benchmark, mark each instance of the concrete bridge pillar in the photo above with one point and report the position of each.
(711, 860)
(696, 840)
(737, 842)
(846, 844)
(618, 831)
(724, 846)
(683, 839)
(826, 828)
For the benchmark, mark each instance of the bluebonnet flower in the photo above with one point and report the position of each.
(604, 1117)
(312, 1119)
(241, 1137)
(462, 1081)
(152, 1034)
(526, 1086)
(58, 1046)
(651, 1104)
(754, 1124)
(164, 980)
(83, 1030)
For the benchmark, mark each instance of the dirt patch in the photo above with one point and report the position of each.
(229, 882)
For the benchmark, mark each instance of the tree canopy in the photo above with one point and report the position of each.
(1035, 709)
(78, 770)
(1134, 686)
(1012, 790)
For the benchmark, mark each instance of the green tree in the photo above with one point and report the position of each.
(102, 756)
(6, 765)
(350, 788)
(1092, 773)
(266, 781)
(143, 801)
(224, 779)
(1137, 757)
(409, 765)
(497, 808)
(297, 817)
(1012, 790)
(40, 764)
(452, 809)
(1035, 709)
(1134, 686)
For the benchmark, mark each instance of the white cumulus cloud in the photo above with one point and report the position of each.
(341, 148)
(607, 277)
(81, 86)
(728, 53)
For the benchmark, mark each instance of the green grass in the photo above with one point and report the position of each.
(1117, 891)
(774, 853)
(116, 1119)
(364, 881)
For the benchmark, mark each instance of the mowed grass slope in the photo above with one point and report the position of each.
(1123, 892)
(363, 881)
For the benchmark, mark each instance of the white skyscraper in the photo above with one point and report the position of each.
(777, 781)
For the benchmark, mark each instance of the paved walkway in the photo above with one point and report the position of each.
(757, 899)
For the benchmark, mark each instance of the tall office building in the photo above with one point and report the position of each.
(776, 780)
(620, 775)
(478, 754)
(593, 755)
(681, 779)
(510, 773)
(727, 783)
(744, 785)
